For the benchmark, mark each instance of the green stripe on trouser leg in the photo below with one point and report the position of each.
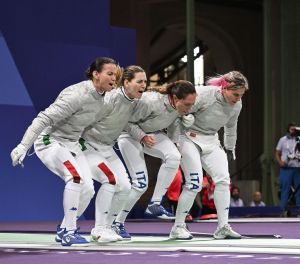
(81, 142)
(46, 140)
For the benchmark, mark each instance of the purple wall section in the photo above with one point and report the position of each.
(47, 46)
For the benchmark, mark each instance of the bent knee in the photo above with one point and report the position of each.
(173, 161)
(123, 186)
(89, 190)
(222, 180)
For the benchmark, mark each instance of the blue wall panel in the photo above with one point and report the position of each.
(32, 192)
(13, 90)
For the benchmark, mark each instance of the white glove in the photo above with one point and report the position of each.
(188, 120)
(18, 154)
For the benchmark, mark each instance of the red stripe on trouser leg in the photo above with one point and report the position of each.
(73, 171)
(108, 173)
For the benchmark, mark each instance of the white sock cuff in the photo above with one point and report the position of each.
(76, 187)
(108, 187)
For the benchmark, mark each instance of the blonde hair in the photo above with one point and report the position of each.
(232, 80)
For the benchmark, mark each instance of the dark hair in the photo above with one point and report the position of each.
(128, 73)
(235, 188)
(97, 65)
(290, 125)
(179, 88)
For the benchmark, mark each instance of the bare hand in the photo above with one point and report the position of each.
(281, 163)
(148, 141)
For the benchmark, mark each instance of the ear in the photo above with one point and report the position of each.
(126, 82)
(95, 74)
(175, 98)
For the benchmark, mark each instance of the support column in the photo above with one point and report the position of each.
(190, 39)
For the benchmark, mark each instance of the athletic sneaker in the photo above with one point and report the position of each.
(180, 232)
(72, 238)
(103, 234)
(158, 211)
(226, 232)
(59, 233)
(119, 228)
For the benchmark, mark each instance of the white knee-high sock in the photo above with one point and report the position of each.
(71, 203)
(103, 203)
(164, 179)
(185, 202)
(86, 195)
(117, 204)
(222, 202)
(130, 201)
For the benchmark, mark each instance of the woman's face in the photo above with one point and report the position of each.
(183, 106)
(233, 96)
(106, 79)
(136, 86)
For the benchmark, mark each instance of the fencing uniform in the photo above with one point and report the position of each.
(153, 114)
(200, 148)
(106, 166)
(55, 133)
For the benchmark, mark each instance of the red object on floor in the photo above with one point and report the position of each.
(208, 216)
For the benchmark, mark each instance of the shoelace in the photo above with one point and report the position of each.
(76, 233)
(121, 227)
(163, 210)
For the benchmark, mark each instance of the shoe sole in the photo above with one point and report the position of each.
(94, 239)
(178, 238)
(77, 245)
(163, 217)
(227, 237)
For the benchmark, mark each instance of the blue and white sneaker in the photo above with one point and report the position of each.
(158, 211)
(119, 228)
(59, 233)
(72, 238)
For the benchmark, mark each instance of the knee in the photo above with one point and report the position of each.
(224, 181)
(123, 186)
(221, 178)
(108, 187)
(173, 160)
(126, 187)
(88, 190)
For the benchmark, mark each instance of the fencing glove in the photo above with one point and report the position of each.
(188, 120)
(18, 154)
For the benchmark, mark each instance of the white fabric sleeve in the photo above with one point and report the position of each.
(230, 131)
(279, 145)
(64, 106)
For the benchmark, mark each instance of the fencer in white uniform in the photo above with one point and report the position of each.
(55, 133)
(107, 168)
(155, 112)
(217, 105)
